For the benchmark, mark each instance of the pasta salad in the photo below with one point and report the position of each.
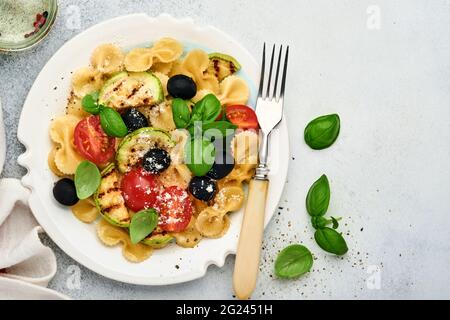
(158, 142)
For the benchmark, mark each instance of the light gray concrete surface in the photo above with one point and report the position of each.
(389, 170)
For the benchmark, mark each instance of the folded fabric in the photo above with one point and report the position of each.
(25, 263)
(22, 255)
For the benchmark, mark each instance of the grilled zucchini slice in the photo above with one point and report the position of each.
(109, 199)
(135, 145)
(222, 65)
(130, 90)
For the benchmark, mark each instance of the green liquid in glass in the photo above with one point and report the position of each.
(17, 18)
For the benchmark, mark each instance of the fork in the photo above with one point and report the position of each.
(269, 110)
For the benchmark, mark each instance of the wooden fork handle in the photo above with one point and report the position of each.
(249, 247)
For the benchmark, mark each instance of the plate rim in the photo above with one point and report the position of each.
(34, 200)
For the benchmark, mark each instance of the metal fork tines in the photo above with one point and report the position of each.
(269, 104)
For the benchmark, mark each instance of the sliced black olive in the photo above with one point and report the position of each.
(65, 193)
(203, 188)
(134, 120)
(181, 86)
(156, 161)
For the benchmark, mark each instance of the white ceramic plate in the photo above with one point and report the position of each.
(43, 103)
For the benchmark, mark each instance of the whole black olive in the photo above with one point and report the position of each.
(203, 188)
(134, 120)
(181, 86)
(222, 166)
(65, 193)
(156, 161)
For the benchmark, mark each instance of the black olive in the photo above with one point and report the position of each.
(156, 161)
(181, 86)
(134, 120)
(65, 193)
(222, 166)
(203, 188)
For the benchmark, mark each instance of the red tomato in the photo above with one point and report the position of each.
(140, 189)
(92, 142)
(175, 209)
(242, 116)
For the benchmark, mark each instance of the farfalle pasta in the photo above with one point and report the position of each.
(74, 107)
(194, 65)
(233, 90)
(139, 60)
(66, 157)
(163, 53)
(51, 162)
(213, 221)
(167, 50)
(162, 67)
(85, 81)
(113, 236)
(85, 210)
(107, 58)
(130, 116)
(189, 237)
(244, 147)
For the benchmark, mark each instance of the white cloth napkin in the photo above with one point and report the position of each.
(21, 251)
(25, 263)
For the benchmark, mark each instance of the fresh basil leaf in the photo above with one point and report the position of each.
(89, 103)
(293, 261)
(319, 222)
(200, 156)
(331, 241)
(212, 108)
(112, 123)
(207, 109)
(335, 222)
(318, 197)
(322, 132)
(180, 112)
(142, 224)
(87, 179)
(197, 112)
(224, 128)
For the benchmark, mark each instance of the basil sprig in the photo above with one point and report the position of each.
(322, 132)
(87, 179)
(205, 111)
(331, 241)
(199, 156)
(142, 224)
(110, 120)
(293, 261)
(320, 222)
(203, 127)
(318, 197)
(317, 202)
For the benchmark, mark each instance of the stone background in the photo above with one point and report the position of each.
(389, 170)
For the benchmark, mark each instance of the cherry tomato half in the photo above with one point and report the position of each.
(92, 142)
(242, 116)
(175, 209)
(140, 189)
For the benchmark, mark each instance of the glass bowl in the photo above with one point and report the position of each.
(19, 16)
